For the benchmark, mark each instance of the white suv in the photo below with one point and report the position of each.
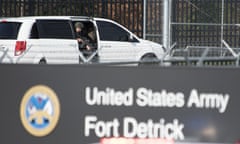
(52, 40)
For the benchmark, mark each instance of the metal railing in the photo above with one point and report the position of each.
(206, 56)
(190, 56)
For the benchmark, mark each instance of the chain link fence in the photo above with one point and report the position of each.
(206, 23)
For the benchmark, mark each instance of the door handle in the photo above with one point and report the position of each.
(106, 46)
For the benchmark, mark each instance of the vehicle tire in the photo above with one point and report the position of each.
(42, 62)
(149, 60)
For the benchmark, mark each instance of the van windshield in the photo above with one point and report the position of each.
(9, 30)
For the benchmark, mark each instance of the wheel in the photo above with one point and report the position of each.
(149, 60)
(42, 61)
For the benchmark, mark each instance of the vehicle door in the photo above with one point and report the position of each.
(89, 45)
(116, 44)
(54, 40)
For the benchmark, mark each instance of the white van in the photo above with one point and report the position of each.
(52, 40)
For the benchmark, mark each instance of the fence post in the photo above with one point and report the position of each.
(222, 25)
(104, 8)
(166, 23)
(144, 18)
(31, 7)
(169, 24)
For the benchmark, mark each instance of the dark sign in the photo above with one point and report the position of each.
(90, 104)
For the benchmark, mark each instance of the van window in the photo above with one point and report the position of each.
(55, 29)
(111, 32)
(9, 30)
(34, 32)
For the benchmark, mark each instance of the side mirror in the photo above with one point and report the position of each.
(127, 38)
(130, 38)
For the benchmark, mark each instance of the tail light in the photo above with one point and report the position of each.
(20, 47)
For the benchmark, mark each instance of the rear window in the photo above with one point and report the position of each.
(55, 29)
(9, 30)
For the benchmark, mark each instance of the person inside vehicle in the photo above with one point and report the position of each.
(92, 35)
(81, 38)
